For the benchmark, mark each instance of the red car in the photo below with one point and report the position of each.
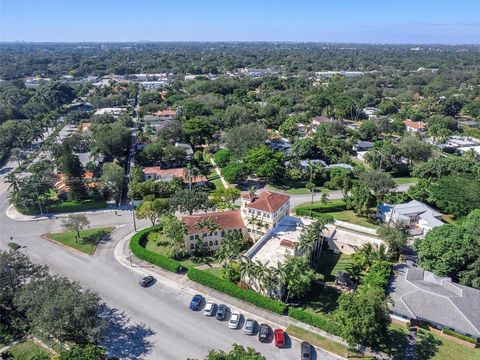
(279, 337)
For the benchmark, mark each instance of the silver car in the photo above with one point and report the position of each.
(250, 325)
(234, 320)
(209, 308)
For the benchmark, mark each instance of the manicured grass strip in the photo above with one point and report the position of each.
(225, 286)
(441, 348)
(137, 246)
(72, 206)
(317, 340)
(27, 350)
(405, 180)
(459, 336)
(320, 321)
(89, 239)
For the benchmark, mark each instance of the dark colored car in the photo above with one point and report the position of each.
(196, 302)
(221, 312)
(279, 336)
(147, 280)
(306, 351)
(263, 332)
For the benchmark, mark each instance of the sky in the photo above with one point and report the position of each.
(357, 21)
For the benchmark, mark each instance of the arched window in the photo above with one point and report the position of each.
(210, 243)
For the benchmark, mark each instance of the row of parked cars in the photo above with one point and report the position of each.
(250, 327)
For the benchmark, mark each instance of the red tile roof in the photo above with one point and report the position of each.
(227, 220)
(268, 201)
(414, 124)
(166, 112)
(175, 172)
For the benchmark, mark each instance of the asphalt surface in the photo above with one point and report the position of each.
(144, 323)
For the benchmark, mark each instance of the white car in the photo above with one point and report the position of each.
(234, 320)
(209, 308)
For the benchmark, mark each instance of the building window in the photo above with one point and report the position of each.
(223, 233)
(204, 234)
(205, 244)
(192, 237)
(192, 246)
(216, 242)
(210, 243)
(215, 233)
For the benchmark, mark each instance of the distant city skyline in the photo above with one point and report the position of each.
(348, 21)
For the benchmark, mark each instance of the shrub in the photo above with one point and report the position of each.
(231, 289)
(222, 157)
(136, 245)
(317, 320)
(378, 275)
(459, 336)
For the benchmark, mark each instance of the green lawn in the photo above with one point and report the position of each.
(217, 271)
(295, 188)
(26, 350)
(90, 238)
(330, 264)
(158, 243)
(336, 209)
(405, 180)
(320, 341)
(429, 345)
(214, 178)
(67, 206)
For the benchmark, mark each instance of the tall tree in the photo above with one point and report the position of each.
(191, 201)
(113, 179)
(153, 209)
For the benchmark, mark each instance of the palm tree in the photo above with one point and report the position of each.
(246, 267)
(368, 254)
(16, 155)
(230, 247)
(190, 173)
(14, 182)
(310, 237)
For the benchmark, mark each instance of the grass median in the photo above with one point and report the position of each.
(88, 242)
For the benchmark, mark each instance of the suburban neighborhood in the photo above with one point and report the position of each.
(238, 200)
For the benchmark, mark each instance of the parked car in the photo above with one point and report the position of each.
(209, 308)
(196, 302)
(147, 280)
(250, 326)
(279, 337)
(234, 320)
(305, 351)
(263, 332)
(221, 312)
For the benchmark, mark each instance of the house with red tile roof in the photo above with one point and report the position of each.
(157, 173)
(197, 235)
(87, 178)
(263, 212)
(415, 126)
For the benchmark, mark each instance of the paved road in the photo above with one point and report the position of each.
(151, 323)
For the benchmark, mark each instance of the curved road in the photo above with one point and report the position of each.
(144, 323)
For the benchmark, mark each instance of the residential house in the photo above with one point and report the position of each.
(415, 126)
(158, 174)
(197, 236)
(88, 179)
(363, 146)
(421, 295)
(370, 111)
(417, 217)
(114, 111)
(263, 212)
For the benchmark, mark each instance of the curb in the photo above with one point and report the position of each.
(45, 237)
(14, 215)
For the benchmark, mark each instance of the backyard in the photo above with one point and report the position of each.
(89, 239)
(337, 209)
(331, 263)
(214, 178)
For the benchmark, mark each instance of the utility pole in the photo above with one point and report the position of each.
(133, 215)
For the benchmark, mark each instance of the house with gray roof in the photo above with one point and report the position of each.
(417, 217)
(421, 295)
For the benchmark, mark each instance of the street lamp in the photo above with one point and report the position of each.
(133, 216)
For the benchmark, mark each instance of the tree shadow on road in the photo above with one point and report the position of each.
(124, 338)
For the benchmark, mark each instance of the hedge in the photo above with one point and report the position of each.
(231, 289)
(459, 336)
(319, 321)
(149, 256)
(314, 214)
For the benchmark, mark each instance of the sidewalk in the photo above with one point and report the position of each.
(181, 282)
(13, 213)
